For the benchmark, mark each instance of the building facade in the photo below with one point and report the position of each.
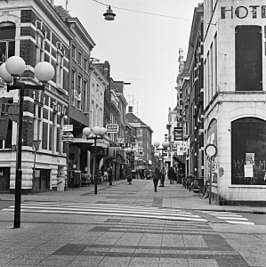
(143, 140)
(34, 31)
(192, 92)
(234, 98)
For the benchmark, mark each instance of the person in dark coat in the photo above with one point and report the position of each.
(156, 178)
(162, 177)
(171, 175)
(110, 173)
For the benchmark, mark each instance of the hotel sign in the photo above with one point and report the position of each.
(242, 12)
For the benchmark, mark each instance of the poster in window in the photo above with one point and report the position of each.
(250, 158)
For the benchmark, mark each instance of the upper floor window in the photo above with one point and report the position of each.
(79, 58)
(85, 64)
(73, 85)
(248, 58)
(74, 52)
(40, 37)
(7, 40)
(79, 90)
(84, 104)
(59, 64)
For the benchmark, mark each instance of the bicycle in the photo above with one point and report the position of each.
(204, 190)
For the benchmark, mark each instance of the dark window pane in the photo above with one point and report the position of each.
(7, 31)
(3, 52)
(248, 45)
(11, 48)
(248, 151)
(45, 135)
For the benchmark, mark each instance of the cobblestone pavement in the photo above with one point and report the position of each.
(128, 225)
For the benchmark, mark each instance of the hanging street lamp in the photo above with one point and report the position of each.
(109, 14)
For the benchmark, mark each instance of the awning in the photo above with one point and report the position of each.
(88, 144)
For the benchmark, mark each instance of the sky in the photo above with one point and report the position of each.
(142, 49)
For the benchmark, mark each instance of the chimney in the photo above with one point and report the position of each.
(130, 109)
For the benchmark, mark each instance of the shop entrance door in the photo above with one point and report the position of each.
(41, 181)
(4, 179)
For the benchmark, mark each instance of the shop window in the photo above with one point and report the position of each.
(248, 58)
(249, 151)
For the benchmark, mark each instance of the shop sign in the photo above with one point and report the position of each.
(178, 133)
(242, 12)
(112, 128)
(121, 140)
(68, 137)
(68, 128)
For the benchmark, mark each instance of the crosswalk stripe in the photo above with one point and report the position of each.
(111, 210)
(230, 217)
(240, 222)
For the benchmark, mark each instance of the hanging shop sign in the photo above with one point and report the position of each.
(112, 128)
(68, 128)
(68, 137)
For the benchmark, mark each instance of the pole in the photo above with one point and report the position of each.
(34, 166)
(94, 177)
(67, 167)
(18, 165)
(210, 193)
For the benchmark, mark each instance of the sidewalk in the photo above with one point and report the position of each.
(170, 196)
(61, 239)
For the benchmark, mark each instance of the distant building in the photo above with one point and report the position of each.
(143, 134)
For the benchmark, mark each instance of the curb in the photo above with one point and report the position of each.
(237, 211)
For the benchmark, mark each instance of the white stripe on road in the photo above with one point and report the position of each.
(229, 217)
(111, 211)
(232, 218)
(239, 222)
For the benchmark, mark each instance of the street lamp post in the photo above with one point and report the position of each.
(164, 147)
(10, 72)
(130, 151)
(98, 133)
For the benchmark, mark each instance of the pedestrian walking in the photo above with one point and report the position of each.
(156, 178)
(110, 173)
(162, 177)
(171, 175)
(98, 174)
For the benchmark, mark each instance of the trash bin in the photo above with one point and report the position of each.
(61, 184)
(201, 182)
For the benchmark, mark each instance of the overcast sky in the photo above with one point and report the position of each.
(142, 49)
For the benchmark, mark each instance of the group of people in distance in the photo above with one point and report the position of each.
(159, 174)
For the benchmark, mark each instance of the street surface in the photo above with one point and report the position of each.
(130, 225)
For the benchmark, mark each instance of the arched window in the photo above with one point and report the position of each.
(248, 151)
(7, 40)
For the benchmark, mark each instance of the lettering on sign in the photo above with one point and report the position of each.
(68, 137)
(68, 128)
(242, 12)
(112, 128)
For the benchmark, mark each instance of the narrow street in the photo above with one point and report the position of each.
(129, 225)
